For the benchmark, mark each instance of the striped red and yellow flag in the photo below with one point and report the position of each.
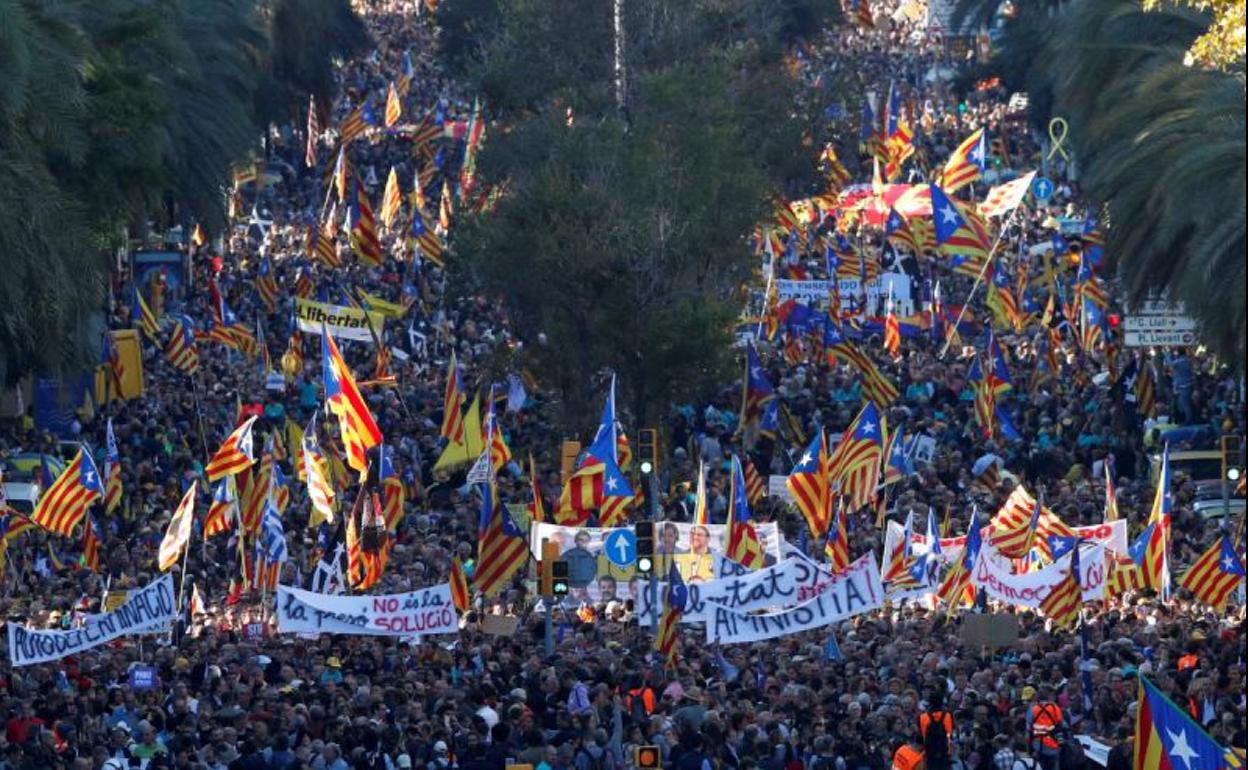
(394, 106)
(536, 507)
(357, 427)
(460, 595)
(178, 535)
(1064, 600)
(224, 508)
(755, 487)
(235, 454)
(352, 126)
(501, 547)
(1010, 530)
(453, 404)
(674, 601)
(1214, 575)
(364, 240)
(391, 199)
(855, 465)
(875, 384)
(62, 505)
(811, 488)
(92, 538)
(837, 547)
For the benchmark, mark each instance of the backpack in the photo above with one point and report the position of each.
(595, 763)
(936, 741)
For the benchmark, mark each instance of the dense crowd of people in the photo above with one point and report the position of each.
(233, 694)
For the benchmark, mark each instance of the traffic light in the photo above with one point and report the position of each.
(546, 568)
(559, 578)
(648, 450)
(644, 531)
(648, 758)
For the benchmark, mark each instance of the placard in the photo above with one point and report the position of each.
(151, 605)
(994, 630)
(344, 322)
(417, 613)
(143, 678)
(845, 594)
(778, 487)
(500, 625)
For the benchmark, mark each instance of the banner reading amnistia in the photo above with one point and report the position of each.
(845, 594)
(344, 322)
(150, 606)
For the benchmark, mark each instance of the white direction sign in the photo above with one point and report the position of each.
(1159, 323)
(1158, 338)
(1160, 307)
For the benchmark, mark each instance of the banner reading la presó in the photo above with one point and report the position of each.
(348, 323)
(152, 605)
(852, 592)
(417, 613)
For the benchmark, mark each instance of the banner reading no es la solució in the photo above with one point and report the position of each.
(417, 613)
(145, 608)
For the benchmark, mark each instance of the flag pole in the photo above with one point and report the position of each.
(980, 278)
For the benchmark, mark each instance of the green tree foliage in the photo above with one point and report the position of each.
(623, 238)
(116, 113)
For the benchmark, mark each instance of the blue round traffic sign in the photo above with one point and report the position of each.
(1042, 188)
(620, 546)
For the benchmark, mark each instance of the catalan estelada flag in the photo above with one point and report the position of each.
(1214, 575)
(743, 545)
(501, 547)
(223, 510)
(181, 351)
(837, 546)
(811, 487)
(358, 428)
(854, 468)
(966, 163)
(674, 600)
(959, 235)
(876, 385)
(92, 538)
(112, 468)
(392, 492)
(65, 502)
(235, 454)
(1166, 738)
(266, 285)
(1013, 532)
(957, 588)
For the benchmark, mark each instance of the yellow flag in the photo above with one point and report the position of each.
(463, 452)
(392, 199)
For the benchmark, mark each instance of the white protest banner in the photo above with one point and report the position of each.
(843, 595)
(144, 608)
(342, 321)
(777, 487)
(1113, 534)
(781, 585)
(1030, 588)
(418, 613)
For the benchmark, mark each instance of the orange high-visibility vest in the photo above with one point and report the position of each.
(908, 758)
(1045, 719)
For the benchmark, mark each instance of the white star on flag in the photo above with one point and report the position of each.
(948, 214)
(1181, 749)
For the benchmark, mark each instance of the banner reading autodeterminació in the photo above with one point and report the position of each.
(852, 592)
(418, 613)
(343, 322)
(150, 606)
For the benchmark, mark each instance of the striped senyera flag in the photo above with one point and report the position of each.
(453, 404)
(314, 133)
(674, 601)
(460, 594)
(223, 509)
(112, 468)
(1064, 600)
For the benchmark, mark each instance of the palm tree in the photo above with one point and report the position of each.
(1162, 145)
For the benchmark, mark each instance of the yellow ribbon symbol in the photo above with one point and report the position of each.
(1057, 134)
